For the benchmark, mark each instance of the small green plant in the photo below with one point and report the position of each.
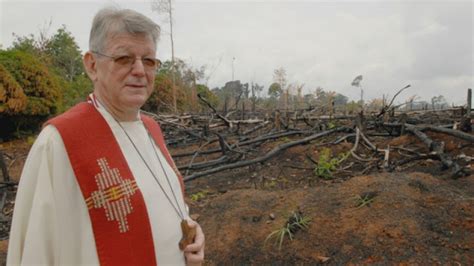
(326, 165)
(297, 221)
(199, 195)
(30, 140)
(331, 124)
(272, 183)
(365, 199)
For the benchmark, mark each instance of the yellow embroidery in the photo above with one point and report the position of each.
(113, 195)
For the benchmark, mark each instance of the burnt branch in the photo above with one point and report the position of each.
(275, 151)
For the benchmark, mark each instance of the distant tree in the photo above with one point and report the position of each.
(236, 90)
(274, 91)
(375, 104)
(187, 82)
(25, 44)
(340, 99)
(166, 7)
(279, 76)
(231, 94)
(256, 89)
(356, 83)
(324, 100)
(352, 107)
(30, 44)
(61, 55)
(309, 100)
(209, 95)
(299, 96)
(438, 102)
(161, 98)
(66, 60)
(65, 54)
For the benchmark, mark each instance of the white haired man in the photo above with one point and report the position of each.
(99, 185)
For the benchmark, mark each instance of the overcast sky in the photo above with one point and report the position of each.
(428, 44)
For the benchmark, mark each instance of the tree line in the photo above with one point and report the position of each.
(42, 76)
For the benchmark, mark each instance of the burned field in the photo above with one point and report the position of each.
(307, 189)
(304, 188)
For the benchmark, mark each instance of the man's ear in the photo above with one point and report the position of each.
(90, 65)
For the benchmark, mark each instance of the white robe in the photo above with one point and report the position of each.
(51, 223)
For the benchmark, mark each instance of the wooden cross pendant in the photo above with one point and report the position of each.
(188, 235)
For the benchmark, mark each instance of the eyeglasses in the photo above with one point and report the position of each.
(128, 61)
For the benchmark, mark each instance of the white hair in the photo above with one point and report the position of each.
(111, 20)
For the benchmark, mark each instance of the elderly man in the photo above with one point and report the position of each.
(99, 185)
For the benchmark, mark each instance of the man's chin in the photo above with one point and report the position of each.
(136, 101)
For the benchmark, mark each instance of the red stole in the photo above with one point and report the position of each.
(117, 210)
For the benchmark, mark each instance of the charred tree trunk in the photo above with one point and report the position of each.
(3, 167)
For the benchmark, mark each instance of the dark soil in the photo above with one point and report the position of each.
(415, 215)
(414, 218)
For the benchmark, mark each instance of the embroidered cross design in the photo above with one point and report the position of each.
(113, 195)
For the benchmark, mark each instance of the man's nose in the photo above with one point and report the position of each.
(138, 69)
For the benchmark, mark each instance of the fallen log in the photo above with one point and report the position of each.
(452, 132)
(275, 151)
(437, 148)
(206, 164)
(246, 142)
(440, 129)
(354, 148)
(262, 125)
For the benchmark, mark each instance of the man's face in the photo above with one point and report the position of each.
(125, 87)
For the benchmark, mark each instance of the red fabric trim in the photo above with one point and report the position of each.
(88, 137)
(155, 130)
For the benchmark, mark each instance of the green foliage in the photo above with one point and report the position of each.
(297, 221)
(275, 90)
(340, 99)
(77, 90)
(62, 57)
(41, 88)
(331, 124)
(352, 107)
(65, 54)
(30, 140)
(326, 165)
(39, 85)
(280, 235)
(208, 94)
(161, 98)
(199, 195)
(231, 93)
(32, 45)
(186, 85)
(26, 44)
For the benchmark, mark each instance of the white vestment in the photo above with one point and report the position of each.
(51, 223)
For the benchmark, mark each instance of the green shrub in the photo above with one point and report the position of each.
(12, 97)
(42, 95)
(326, 164)
(39, 85)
